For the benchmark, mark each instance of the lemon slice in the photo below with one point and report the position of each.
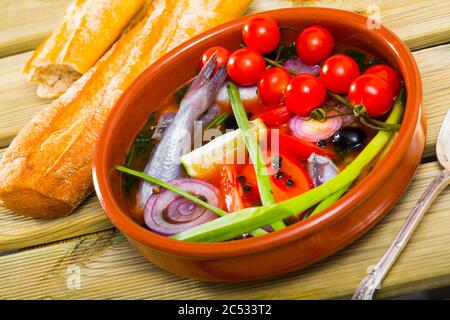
(228, 148)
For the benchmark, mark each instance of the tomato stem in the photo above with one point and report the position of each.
(276, 64)
(361, 113)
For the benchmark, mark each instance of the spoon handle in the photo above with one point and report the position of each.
(376, 274)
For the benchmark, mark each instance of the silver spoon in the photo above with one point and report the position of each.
(375, 276)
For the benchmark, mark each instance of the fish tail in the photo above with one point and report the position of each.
(204, 75)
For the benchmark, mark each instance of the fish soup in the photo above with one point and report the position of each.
(260, 128)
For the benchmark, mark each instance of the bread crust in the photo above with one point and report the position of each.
(46, 171)
(88, 30)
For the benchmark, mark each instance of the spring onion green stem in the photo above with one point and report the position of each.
(254, 150)
(168, 186)
(233, 225)
(328, 201)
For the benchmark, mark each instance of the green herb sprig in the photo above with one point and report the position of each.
(218, 121)
(142, 145)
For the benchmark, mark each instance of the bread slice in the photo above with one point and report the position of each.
(46, 171)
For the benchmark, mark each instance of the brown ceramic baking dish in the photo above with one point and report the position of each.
(302, 243)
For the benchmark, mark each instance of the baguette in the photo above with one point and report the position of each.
(46, 171)
(88, 30)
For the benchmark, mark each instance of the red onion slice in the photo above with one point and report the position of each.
(298, 66)
(167, 213)
(311, 130)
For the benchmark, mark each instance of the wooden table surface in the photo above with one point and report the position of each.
(47, 253)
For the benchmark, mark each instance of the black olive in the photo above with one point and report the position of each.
(289, 182)
(247, 187)
(349, 138)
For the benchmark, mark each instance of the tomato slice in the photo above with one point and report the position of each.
(288, 178)
(230, 190)
(295, 147)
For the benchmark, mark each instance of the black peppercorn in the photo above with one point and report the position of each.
(289, 182)
(279, 175)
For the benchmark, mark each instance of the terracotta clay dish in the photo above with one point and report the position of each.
(301, 243)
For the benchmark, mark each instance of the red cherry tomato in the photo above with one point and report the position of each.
(387, 73)
(271, 85)
(261, 33)
(372, 92)
(338, 72)
(245, 66)
(314, 44)
(222, 55)
(304, 93)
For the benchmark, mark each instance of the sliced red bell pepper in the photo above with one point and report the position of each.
(299, 149)
(275, 117)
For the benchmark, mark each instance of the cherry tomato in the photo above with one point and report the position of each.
(261, 33)
(222, 55)
(304, 93)
(387, 73)
(275, 117)
(245, 66)
(338, 72)
(372, 92)
(271, 85)
(314, 44)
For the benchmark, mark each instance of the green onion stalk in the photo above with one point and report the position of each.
(254, 150)
(243, 221)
